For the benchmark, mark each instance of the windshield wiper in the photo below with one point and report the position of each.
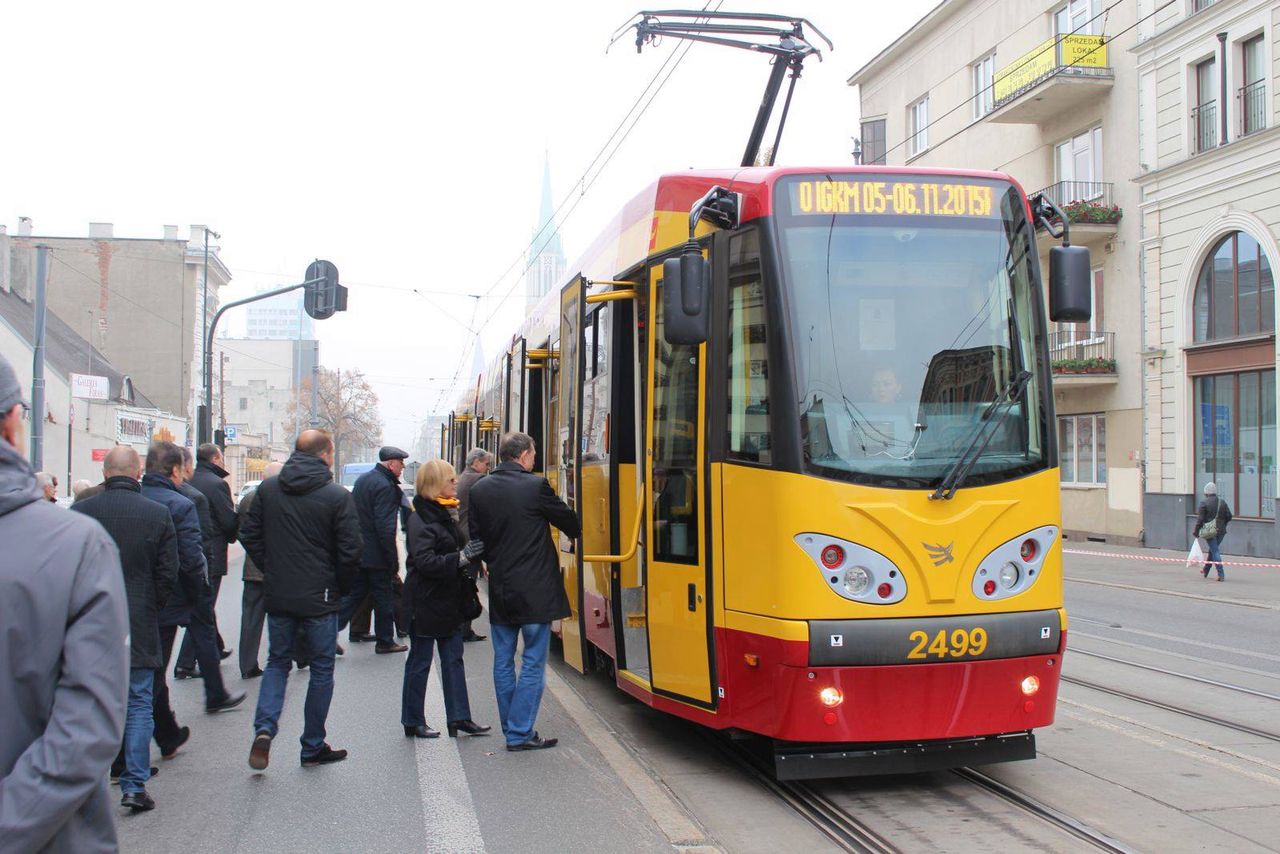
(960, 469)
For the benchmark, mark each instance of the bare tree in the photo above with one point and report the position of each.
(347, 407)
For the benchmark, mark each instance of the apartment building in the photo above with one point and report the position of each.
(1208, 181)
(1049, 95)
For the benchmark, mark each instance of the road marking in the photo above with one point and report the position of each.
(1248, 603)
(448, 810)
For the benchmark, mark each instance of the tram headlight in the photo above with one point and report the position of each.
(831, 697)
(1009, 575)
(856, 580)
(1030, 685)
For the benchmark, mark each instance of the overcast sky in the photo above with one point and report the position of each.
(403, 144)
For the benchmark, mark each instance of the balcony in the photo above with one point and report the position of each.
(1057, 76)
(1093, 216)
(1204, 127)
(1082, 357)
(1253, 107)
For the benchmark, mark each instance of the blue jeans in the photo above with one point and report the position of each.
(1215, 556)
(518, 700)
(453, 675)
(320, 635)
(378, 582)
(138, 726)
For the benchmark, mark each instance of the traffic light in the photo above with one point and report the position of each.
(324, 297)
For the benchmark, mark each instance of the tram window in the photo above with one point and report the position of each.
(675, 448)
(748, 386)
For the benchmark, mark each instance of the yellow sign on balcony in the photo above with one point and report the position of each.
(1048, 57)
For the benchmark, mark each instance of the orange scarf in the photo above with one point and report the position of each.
(448, 502)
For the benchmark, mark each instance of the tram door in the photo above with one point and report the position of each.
(564, 457)
(678, 607)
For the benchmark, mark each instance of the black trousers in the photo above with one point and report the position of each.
(377, 582)
(167, 729)
(253, 614)
(187, 652)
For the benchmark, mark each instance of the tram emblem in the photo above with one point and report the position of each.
(940, 554)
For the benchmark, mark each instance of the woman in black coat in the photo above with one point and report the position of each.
(439, 588)
(1214, 508)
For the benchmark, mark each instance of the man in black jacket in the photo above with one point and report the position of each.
(148, 545)
(377, 497)
(304, 536)
(510, 510)
(208, 479)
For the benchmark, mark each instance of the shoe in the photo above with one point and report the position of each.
(401, 634)
(338, 650)
(387, 650)
(473, 637)
(326, 756)
(184, 733)
(1220, 578)
(302, 665)
(186, 673)
(260, 753)
(423, 732)
(138, 801)
(230, 702)
(252, 674)
(469, 727)
(535, 743)
(367, 637)
(224, 654)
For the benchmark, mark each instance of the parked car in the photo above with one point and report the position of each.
(249, 486)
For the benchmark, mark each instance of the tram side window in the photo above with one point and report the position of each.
(749, 437)
(675, 447)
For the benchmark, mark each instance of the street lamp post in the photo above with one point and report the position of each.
(204, 428)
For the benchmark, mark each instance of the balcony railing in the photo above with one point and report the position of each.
(1076, 55)
(1253, 107)
(1082, 351)
(1204, 127)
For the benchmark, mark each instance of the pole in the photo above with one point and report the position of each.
(37, 364)
(315, 384)
(1222, 85)
(71, 429)
(204, 431)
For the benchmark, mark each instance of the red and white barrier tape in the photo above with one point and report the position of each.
(1157, 559)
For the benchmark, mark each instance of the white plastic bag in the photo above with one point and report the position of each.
(1196, 556)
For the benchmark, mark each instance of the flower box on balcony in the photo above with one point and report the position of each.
(1092, 212)
(1097, 365)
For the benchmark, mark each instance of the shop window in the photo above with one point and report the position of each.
(1082, 449)
(1235, 291)
(1235, 439)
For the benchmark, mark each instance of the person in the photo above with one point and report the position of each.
(80, 487)
(479, 461)
(510, 511)
(441, 583)
(148, 544)
(303, 533)
(48, 485)
(1216, 509)
(188, 604)
(253, 603)
(209, 479)
(204, 513)
(64, 664)
(377, 497)
(885, 387)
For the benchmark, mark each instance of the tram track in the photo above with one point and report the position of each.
(1188, 676)
(1170, 707)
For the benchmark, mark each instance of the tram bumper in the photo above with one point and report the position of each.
(798, 761)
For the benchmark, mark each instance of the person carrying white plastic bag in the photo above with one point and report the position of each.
(1196, 556)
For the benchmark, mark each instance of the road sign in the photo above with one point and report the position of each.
(89, 387)
(232, 434)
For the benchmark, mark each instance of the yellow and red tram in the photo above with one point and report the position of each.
(806, 418)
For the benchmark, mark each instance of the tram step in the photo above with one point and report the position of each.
(637, 621)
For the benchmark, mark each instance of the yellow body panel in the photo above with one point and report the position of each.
(593, 495)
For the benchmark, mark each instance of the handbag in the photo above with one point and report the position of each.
(1209, 530)
(471, 607)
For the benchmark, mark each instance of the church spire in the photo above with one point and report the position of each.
(548, 238)
(546, 267)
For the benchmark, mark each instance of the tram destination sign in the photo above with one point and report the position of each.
(898, 198)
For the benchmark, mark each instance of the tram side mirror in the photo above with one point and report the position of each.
(685, 288)
(1070, 284)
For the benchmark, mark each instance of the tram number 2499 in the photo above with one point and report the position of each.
(957, 643)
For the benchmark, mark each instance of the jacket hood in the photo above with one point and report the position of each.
(304, 473)
(218, 470)
(18, 486)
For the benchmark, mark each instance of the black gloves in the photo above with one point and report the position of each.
(471, 551)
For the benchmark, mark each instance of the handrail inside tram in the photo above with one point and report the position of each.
(635, 540)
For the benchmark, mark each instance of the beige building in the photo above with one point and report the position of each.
(1209, 217)
(1049, 95)
(260, 380)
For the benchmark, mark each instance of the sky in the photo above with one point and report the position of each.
(404, 144)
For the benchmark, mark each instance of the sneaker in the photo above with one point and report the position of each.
(230, 702)
(168, 751)
(138, 801)
(326, 756)
(260, 753)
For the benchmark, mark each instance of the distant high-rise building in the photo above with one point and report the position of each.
(280, 317)
(547, 269)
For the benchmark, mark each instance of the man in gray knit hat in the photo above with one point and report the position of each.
(66, 677)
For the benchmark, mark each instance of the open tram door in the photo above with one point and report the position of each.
(563, 457)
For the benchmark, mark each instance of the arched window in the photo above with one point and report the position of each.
(1235, 292)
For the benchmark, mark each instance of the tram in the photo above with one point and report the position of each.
(806, 418)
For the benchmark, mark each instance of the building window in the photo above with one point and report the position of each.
(244, 403)
(984, 71)
(1253, 94)
(1082, 449)
(1078, 165)
(1201, 5)
(918, 126)
(1078, 16)
(1235, 439)
(749, 434)
(1204, 115)
(873, 147)
(1235, 291)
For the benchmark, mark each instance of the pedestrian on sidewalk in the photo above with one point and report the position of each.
(377, 497)
(64, 666)
(207, 538)
(148, 544)
(303, 534)
(510, 511)
(253, 602)
(479, 461)
(189, 603)
(1212, 517)
(48, 485)
(441, 590)
(209, 479)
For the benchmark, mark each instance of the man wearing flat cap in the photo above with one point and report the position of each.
(377, 497)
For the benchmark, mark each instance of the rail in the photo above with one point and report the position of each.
(1082, 351)
(1204, 127)
(1074, 54)
(1253, 107)
(1065, 193)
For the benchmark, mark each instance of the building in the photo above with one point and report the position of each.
(1209, 185)
(1049, 95)
(136, 300)
(279, 317)
(546, 263)
(261, 382)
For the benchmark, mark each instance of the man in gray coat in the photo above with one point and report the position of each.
(253, 602)
(64, 659)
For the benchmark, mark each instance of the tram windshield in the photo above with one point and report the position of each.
(911, 304)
